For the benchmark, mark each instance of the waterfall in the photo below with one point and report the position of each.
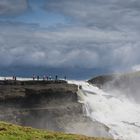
(118, 113)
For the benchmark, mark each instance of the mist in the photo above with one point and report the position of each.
(126, 85)
(114, 106)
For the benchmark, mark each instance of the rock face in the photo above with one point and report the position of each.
(51, 105)
(38, 103)
(99, 81)
(117, 79)
(127, 84)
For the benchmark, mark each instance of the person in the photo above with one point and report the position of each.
(56, 77)
(33, 77)
(50, 77)
(47, 77)
(65, 78)
(44, 78)
(38, 77)
(14, 78)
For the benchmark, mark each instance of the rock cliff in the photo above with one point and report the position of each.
(125, 84)
(51, 105)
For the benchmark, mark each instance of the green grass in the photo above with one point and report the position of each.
(14, 132)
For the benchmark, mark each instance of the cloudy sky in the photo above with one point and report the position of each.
(77, 38)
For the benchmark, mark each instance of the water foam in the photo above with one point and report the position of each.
(120, 115)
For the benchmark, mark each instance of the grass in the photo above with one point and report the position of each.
(14, 132)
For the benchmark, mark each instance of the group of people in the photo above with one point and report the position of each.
(45, 77)
(37, 77)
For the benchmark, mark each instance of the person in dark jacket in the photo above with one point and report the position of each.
(56, 77)
(38, 77)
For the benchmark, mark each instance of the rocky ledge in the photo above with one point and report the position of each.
(51, 105)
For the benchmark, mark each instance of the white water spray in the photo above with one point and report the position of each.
(120, 115)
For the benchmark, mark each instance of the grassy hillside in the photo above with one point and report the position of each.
(14, 132)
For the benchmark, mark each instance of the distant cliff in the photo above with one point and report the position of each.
(117, 79)
(101, 80)
(127, 84)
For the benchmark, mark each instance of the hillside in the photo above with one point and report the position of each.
(14, 132)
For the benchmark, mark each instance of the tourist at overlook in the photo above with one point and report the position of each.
(34, 77)
(56, 77)
(44, 78)
(50, 77)
(38, 77)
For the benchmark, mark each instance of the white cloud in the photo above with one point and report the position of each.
(80, 46)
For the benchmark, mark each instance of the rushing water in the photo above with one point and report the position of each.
(118, 113)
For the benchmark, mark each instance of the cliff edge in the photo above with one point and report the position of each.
(51, 105)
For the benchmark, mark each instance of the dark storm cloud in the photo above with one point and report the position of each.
(115, 18)
(12, 7)
(67, 47)
(101, 34)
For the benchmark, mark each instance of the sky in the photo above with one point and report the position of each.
(77, 38)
